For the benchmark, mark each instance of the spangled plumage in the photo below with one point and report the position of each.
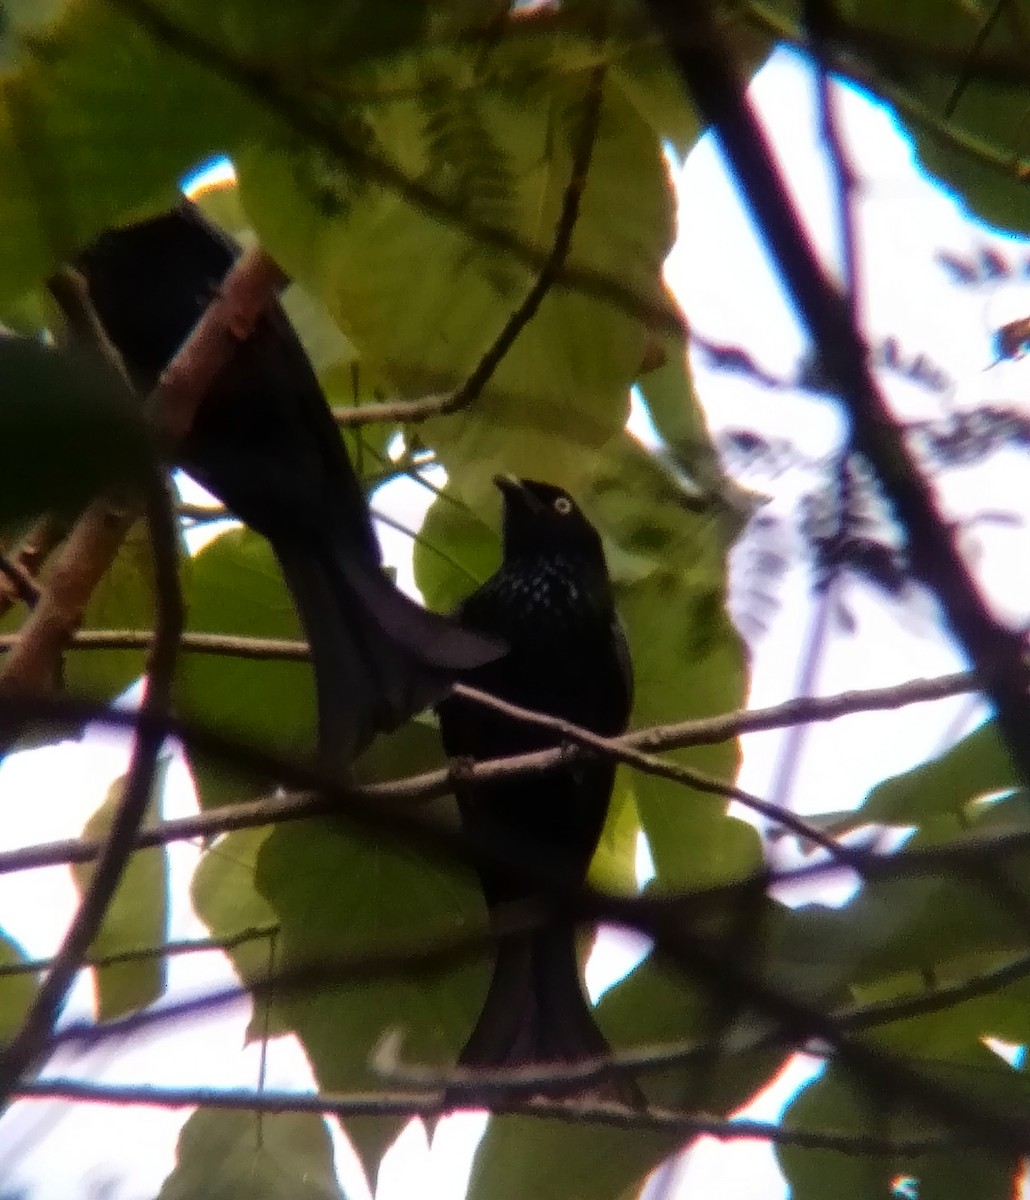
(551, 601)
(265, 443)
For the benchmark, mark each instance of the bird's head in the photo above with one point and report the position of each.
(541, 519)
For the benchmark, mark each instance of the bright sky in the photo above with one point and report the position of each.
(723, 280)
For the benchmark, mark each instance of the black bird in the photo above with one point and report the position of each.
(265, 443)
(551, 601)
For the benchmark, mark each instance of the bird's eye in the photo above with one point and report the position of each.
(563, 506)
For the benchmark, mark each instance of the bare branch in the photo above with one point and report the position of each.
(34, 661)
(94, 541)
(173, 949)
(996, 651)
(222, 644)
(699, 731)
(29, 1042)
(429, 785)
(650, 765)
(412, 1104)
(250, 286)
(17, 583)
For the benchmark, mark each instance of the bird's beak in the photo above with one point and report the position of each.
(515, 491)
(509, 485)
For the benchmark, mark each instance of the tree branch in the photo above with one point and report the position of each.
(415, 789)
(93, 543)
(172, 949)
(250, 286)
(699, 731)
(27, 558)
(344, 1105)
(996, 652)
(649, 764)
(29, 1042)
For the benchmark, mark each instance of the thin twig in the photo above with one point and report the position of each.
(222, 644)
(937, 999)
(408, 960)
(33, 663)
(429, 785)
(821, 22)
(700, 731)
(978, 43)
(417, 960)
(651, 765)
(549, 274)
(1012, 167)
(387, 806)
(173, 949)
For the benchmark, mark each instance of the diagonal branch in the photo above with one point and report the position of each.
(30, 1041)
(996, 652)
(649, 764)
(699, 731)
(428, 785)
(26, 558)
(93, 543)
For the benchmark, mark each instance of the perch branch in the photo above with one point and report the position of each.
(412, 1104)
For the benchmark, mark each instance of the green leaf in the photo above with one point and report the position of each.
(909, 922)
(668, 392)
(226, 901)
(976, 766)
(558, 1160)
(336, 893)
(566, 377)
(309, 36)
(838, 1103)
(137, 915)
(98, 120)
(16, 991)
(227, 1155)
(237, 588)
(69, 430)
(968, 131)
(457, 550)
(656, 1005)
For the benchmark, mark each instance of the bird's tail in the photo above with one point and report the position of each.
(378, 656)
(536, 1013)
